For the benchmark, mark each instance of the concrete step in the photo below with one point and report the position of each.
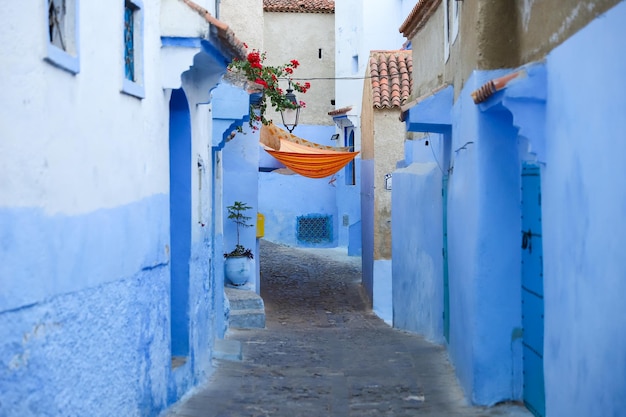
(241, 299)
(246, 309)
(247, 319)
(228, 350)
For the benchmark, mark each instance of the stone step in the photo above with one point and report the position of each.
(228, 350)
(247, 319)
(241, 299)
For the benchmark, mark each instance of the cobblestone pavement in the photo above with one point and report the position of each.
(324, 353)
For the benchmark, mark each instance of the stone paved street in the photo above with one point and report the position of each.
(324, 353)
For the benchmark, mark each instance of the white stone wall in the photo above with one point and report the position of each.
(74, 143)
(360, 27)
(300, 36)
(245, 18)
(178, 19)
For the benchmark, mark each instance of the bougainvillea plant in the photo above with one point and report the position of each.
(266, 78)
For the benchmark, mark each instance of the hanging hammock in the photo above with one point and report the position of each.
(306, 158)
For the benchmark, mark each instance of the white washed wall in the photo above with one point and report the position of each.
(71, 143)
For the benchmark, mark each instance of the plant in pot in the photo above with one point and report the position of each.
(238, 266)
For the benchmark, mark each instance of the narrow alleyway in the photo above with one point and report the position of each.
(324, 354)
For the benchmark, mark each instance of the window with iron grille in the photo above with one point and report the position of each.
(129, 40)
(315, 229)
(62, 33)
(133, 48)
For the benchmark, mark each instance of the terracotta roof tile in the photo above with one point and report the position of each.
(299, 6)
(391, 78)
(418, 17)
(226, 36)
(342, 110)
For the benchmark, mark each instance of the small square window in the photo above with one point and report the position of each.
(133, 49)
(62, 31)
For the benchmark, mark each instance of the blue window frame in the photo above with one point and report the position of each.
(129, 41)
(350, 168)
(132, 83)
(62, 30)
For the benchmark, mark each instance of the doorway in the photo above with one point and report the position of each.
(180, 221)
(532, 290)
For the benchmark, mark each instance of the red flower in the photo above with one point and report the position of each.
(307, 85)
(261, 82)
(288, 70)
(295, 63)
(254, 57)
(245, 45)
(302, 104)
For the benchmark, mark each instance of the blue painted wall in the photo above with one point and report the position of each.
(584, 228)
(284, 198)
(240, 183)
(417, 290)
(109, 335)
(581, 154)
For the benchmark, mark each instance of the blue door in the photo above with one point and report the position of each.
(446, 285)
(532, 290)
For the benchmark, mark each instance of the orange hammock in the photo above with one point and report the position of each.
(306, 158)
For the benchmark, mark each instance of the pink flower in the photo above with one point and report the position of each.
(302, 104)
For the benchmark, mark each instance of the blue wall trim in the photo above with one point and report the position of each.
(45, 255)
(433, 114)
(182, 42)
(214, 52)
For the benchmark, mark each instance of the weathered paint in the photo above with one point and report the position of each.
(66, 337)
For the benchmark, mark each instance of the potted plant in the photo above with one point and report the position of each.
(237, 265)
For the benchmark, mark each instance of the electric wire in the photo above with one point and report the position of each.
(433, 152)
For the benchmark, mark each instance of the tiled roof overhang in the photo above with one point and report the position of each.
(418, 17)
(340, 111)
(225, 36)
(299, 6)
(391, 77)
